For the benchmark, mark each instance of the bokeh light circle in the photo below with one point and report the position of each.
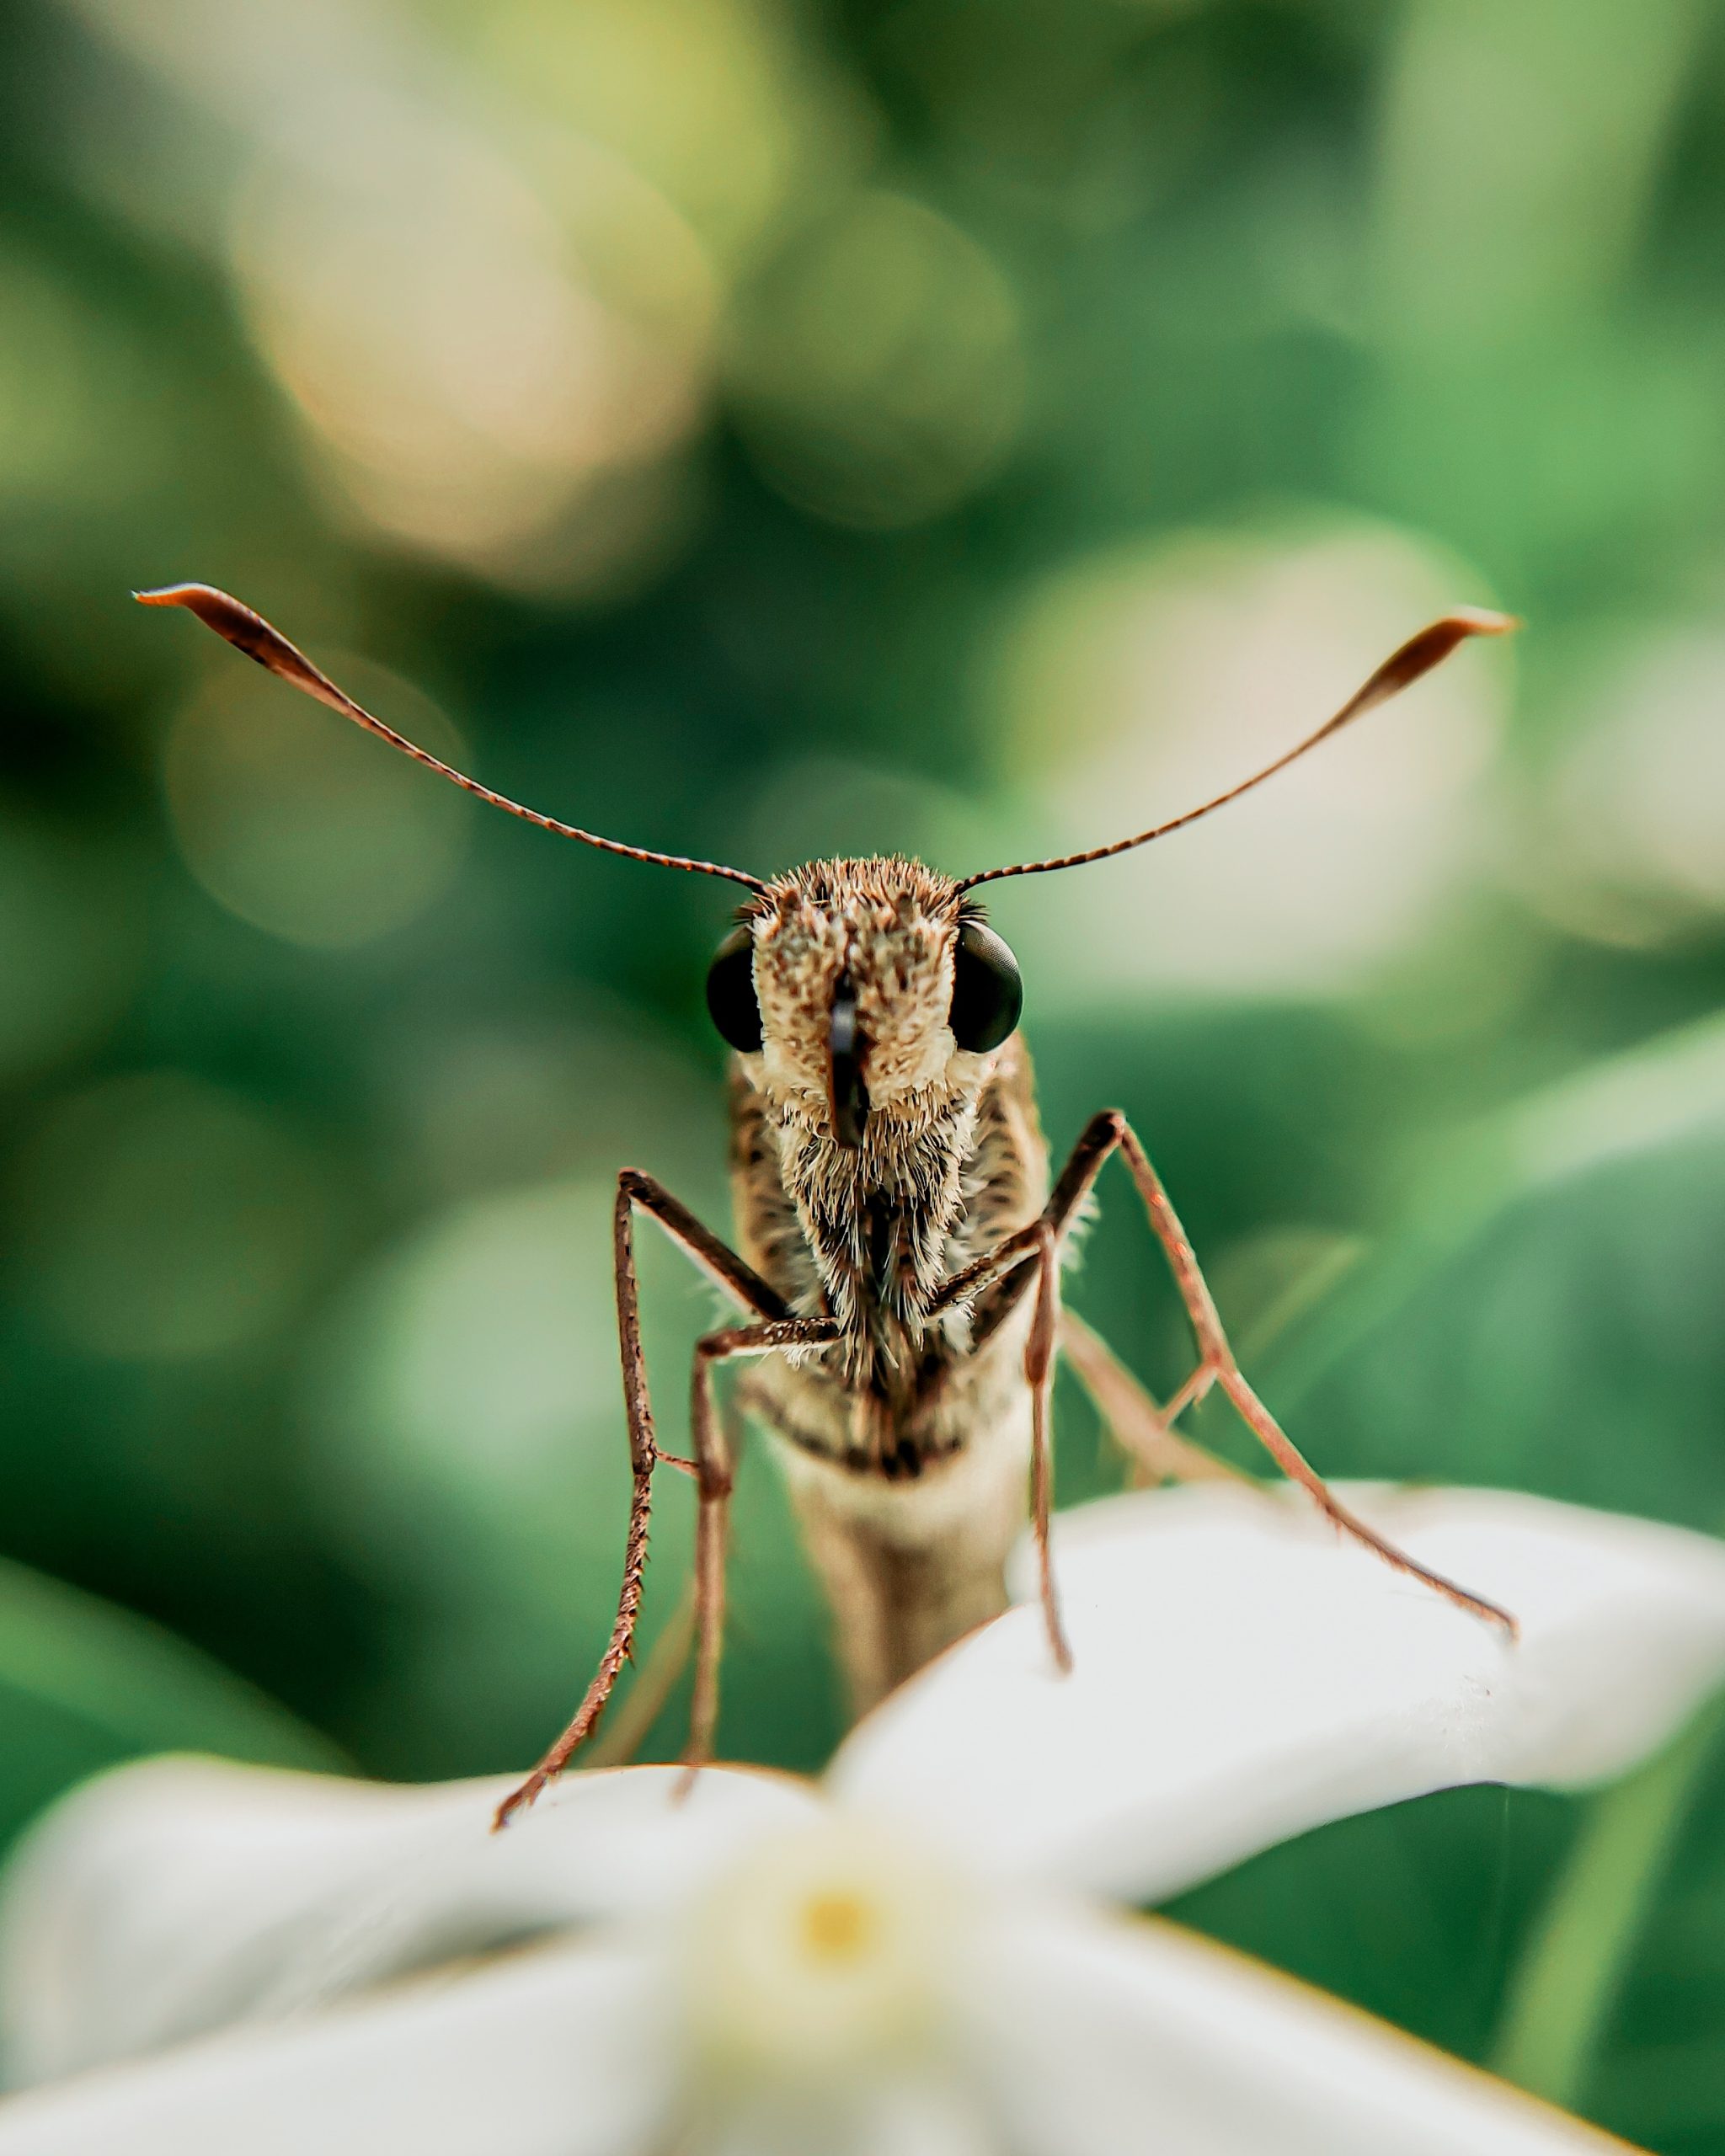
(1140, 681)
(165, 1218)
(877, 365)
(1630, 847)
(301, 824)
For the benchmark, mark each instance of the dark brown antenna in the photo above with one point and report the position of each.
(1418, 655)
(252, 634)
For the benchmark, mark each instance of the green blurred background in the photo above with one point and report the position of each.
(763, 429)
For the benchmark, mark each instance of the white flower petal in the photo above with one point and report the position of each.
(917, 2115)
(170, 1898)
(1095, 2035)
(1241, 1675)
(555, 2053)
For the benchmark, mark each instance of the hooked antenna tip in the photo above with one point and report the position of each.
(173, 595)
(1484, 623)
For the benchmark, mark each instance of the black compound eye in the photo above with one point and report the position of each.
(988, 991)
(730, 991)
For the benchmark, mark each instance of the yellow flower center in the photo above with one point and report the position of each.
(838, 1927)
(828, 1953)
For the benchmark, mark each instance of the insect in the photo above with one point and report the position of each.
(897, 1240)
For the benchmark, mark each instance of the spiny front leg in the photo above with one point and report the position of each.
(1040, 1375)
(723, 1265)
(714, 1481)
(626, 1727)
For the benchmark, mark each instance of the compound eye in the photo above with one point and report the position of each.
(988, 991)
(731, 1001)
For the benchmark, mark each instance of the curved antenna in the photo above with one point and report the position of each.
(1418, 655)
(252, 634)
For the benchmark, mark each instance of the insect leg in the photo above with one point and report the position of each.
(656, 1676)
(747, 1288)
(1007, 1267)
(998, 1281)
(1216, 1355)
(1039, 1374)
(625, 1730)
(714, 1480)
(1143, 1431)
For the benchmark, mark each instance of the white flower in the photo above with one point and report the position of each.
(895, 1963)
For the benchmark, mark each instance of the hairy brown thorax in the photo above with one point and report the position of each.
(951, 1159)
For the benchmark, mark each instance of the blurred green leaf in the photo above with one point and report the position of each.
(1412, 1912)
(1575, 1961)
(1547, 1314)
(83, 1684)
